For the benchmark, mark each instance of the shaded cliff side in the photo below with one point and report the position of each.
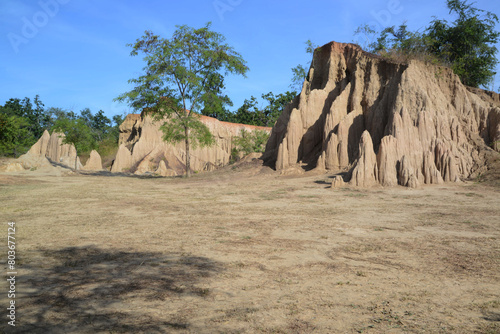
(384, 122)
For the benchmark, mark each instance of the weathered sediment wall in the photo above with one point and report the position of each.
(50, 150)
(143, 150)
(386, 123)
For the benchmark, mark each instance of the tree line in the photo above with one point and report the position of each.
(22, 123)
(466, 45)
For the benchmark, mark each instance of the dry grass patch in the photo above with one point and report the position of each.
(247, 251)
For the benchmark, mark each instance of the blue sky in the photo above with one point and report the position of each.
(73, 53)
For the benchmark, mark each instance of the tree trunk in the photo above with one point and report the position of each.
(76, 162)
(188, 157)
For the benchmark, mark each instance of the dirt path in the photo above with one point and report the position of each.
(247, 251)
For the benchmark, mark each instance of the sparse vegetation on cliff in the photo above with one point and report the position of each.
(467, 45)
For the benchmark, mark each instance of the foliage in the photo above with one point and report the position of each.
(467, 45)
(248, 142)
(253, 114)
(401, 41)
(98, 123)
(250, 113)
(299, 74)
(87, 131)
(369, 34)
(183, 75)
(276, 104)
(114, 132)
(23, 122)
(77, 133)
(214, 101)
(33, 114)
(15, 135)
(299, 71)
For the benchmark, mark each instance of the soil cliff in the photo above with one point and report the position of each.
(50, 148)
(50, 151)
(143, 150)
(385, 122)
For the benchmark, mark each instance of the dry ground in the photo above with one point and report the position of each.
(244, 250)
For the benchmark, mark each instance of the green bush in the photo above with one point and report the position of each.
(15, 135)
(249, 142)
(467, 45)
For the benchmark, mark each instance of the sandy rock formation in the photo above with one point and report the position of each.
(386, 123)
(164, 171)
(337, 182)
(366, 171)
(127, 133)
(12, 167)
(143, 149)
(50, 148)
(94, 163)
(40, 147)
(123, 160)
(65, 154)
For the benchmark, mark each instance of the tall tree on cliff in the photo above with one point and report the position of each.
(179, 72)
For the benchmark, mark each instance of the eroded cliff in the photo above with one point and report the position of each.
(384, 122)
(50, 149)
(143, 150)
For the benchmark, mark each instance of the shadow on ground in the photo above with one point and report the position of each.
(328, 181)
(107, 173)
(93, 290)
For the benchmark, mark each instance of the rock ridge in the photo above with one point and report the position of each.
(384, 122)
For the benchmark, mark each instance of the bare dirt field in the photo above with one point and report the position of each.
(243, 250)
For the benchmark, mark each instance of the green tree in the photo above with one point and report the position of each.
(34, 114)
(369, 35)
(250, 113)
(248, 142)
(400, 41)
(54, 114)
(114, 132)
(276, 104)
(177, 77)
(23, 122)
(214, 101)
(78, 133)
(299, 71)
(98, 124)
(253, 114)
(468, 44)
(15, 135)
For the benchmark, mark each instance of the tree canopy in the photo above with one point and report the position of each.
(467, 44)
(183, 76)
(22, 122)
